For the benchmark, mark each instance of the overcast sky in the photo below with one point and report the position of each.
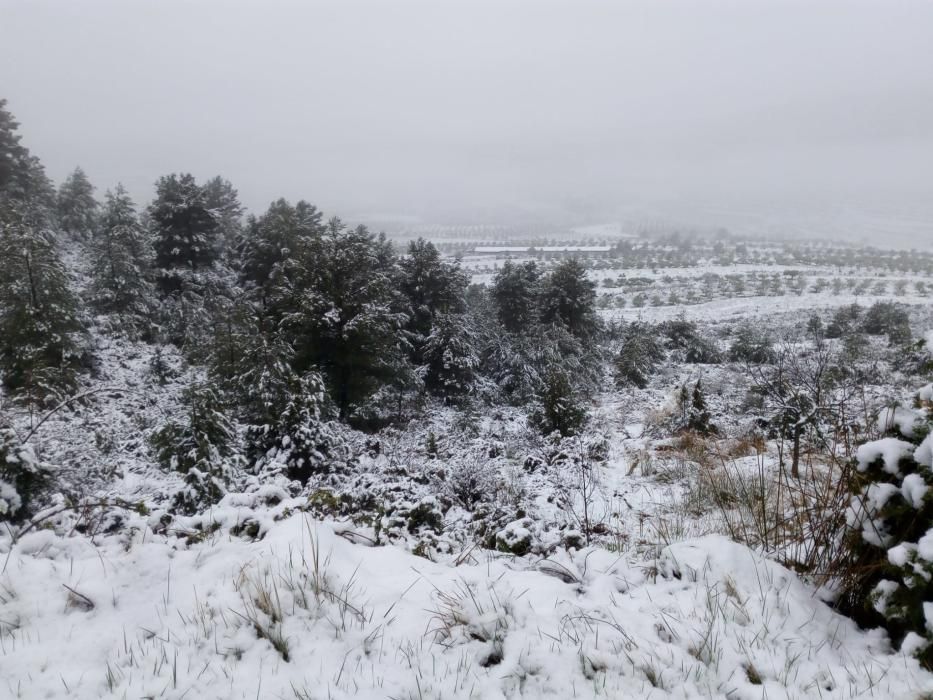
(441, 107)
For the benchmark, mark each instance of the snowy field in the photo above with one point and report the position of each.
(270, 594)
(308, 613)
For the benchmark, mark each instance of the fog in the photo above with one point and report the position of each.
(480, 111)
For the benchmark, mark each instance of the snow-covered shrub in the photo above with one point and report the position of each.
(200, 447)
(888, 318)
(688, 344)
(559, 408)
(22, 476)
(751, 344)
(890, 532)
(640, 354)
(299, 442)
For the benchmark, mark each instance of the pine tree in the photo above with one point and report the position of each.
(560, 409)
(76, 206)
(345, 320)
(185, 229)
(41, 344)
(276, 248)
(450, 356)
(569, 297)
(698, 419)
(23, 476)
(639, 356)
(200, 447)
(515, 295)
(889, 524)
(223, 201)
(121, 261)
(14, 158)
(431, 287)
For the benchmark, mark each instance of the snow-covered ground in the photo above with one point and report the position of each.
(758, 306)
(307, 613)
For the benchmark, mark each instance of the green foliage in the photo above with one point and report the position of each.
(184, 228)
(683, 337)
(888, 318)
(277, 245)
(568, 297)
(450, 356)
(844, 321)
(751, 344)
(515, 296)
(698, 418)
(41, 335)
(76, 207)
(121, 262)
(560, 408)
(889, 540)
(343, 315)
(200, 447)
(223, 201)
(639, 355)
(22, 477)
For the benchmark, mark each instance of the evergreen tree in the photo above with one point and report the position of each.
(185, 229)
(344, 316)
(698, 419)
(889, 524)
(22, 476)
(515, 295)
(41, 348)
(752, 345)
(277, 247)
(121, 261)
(431, 287)
(14, 158)
(200, 447)
(569, 297)
(450, 356)
(639, 356)
(76, 206)
(560, 409)
(223, 201)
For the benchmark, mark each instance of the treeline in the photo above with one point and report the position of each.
(297, 319)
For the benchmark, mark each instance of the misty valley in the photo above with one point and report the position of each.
(466, 350)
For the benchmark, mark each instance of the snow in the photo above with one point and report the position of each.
(926, 392)
(924, 452)
(890, 450)
(914, 489)
(901, 417)
(150, 616)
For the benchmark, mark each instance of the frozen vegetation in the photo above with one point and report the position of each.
(272, 455)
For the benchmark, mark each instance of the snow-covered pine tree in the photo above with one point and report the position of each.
(431, 287)
(41, 335)
(76, 207)
(698, 419)
(200, 447)
(272, 254)
(22, 476)
(223, 201)
(450, 356)
(345, 320)
(560, 408)
(639, 355)
(515, 296)
(889, 541)
(184, 227)
(121, 262)
(568, 296)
